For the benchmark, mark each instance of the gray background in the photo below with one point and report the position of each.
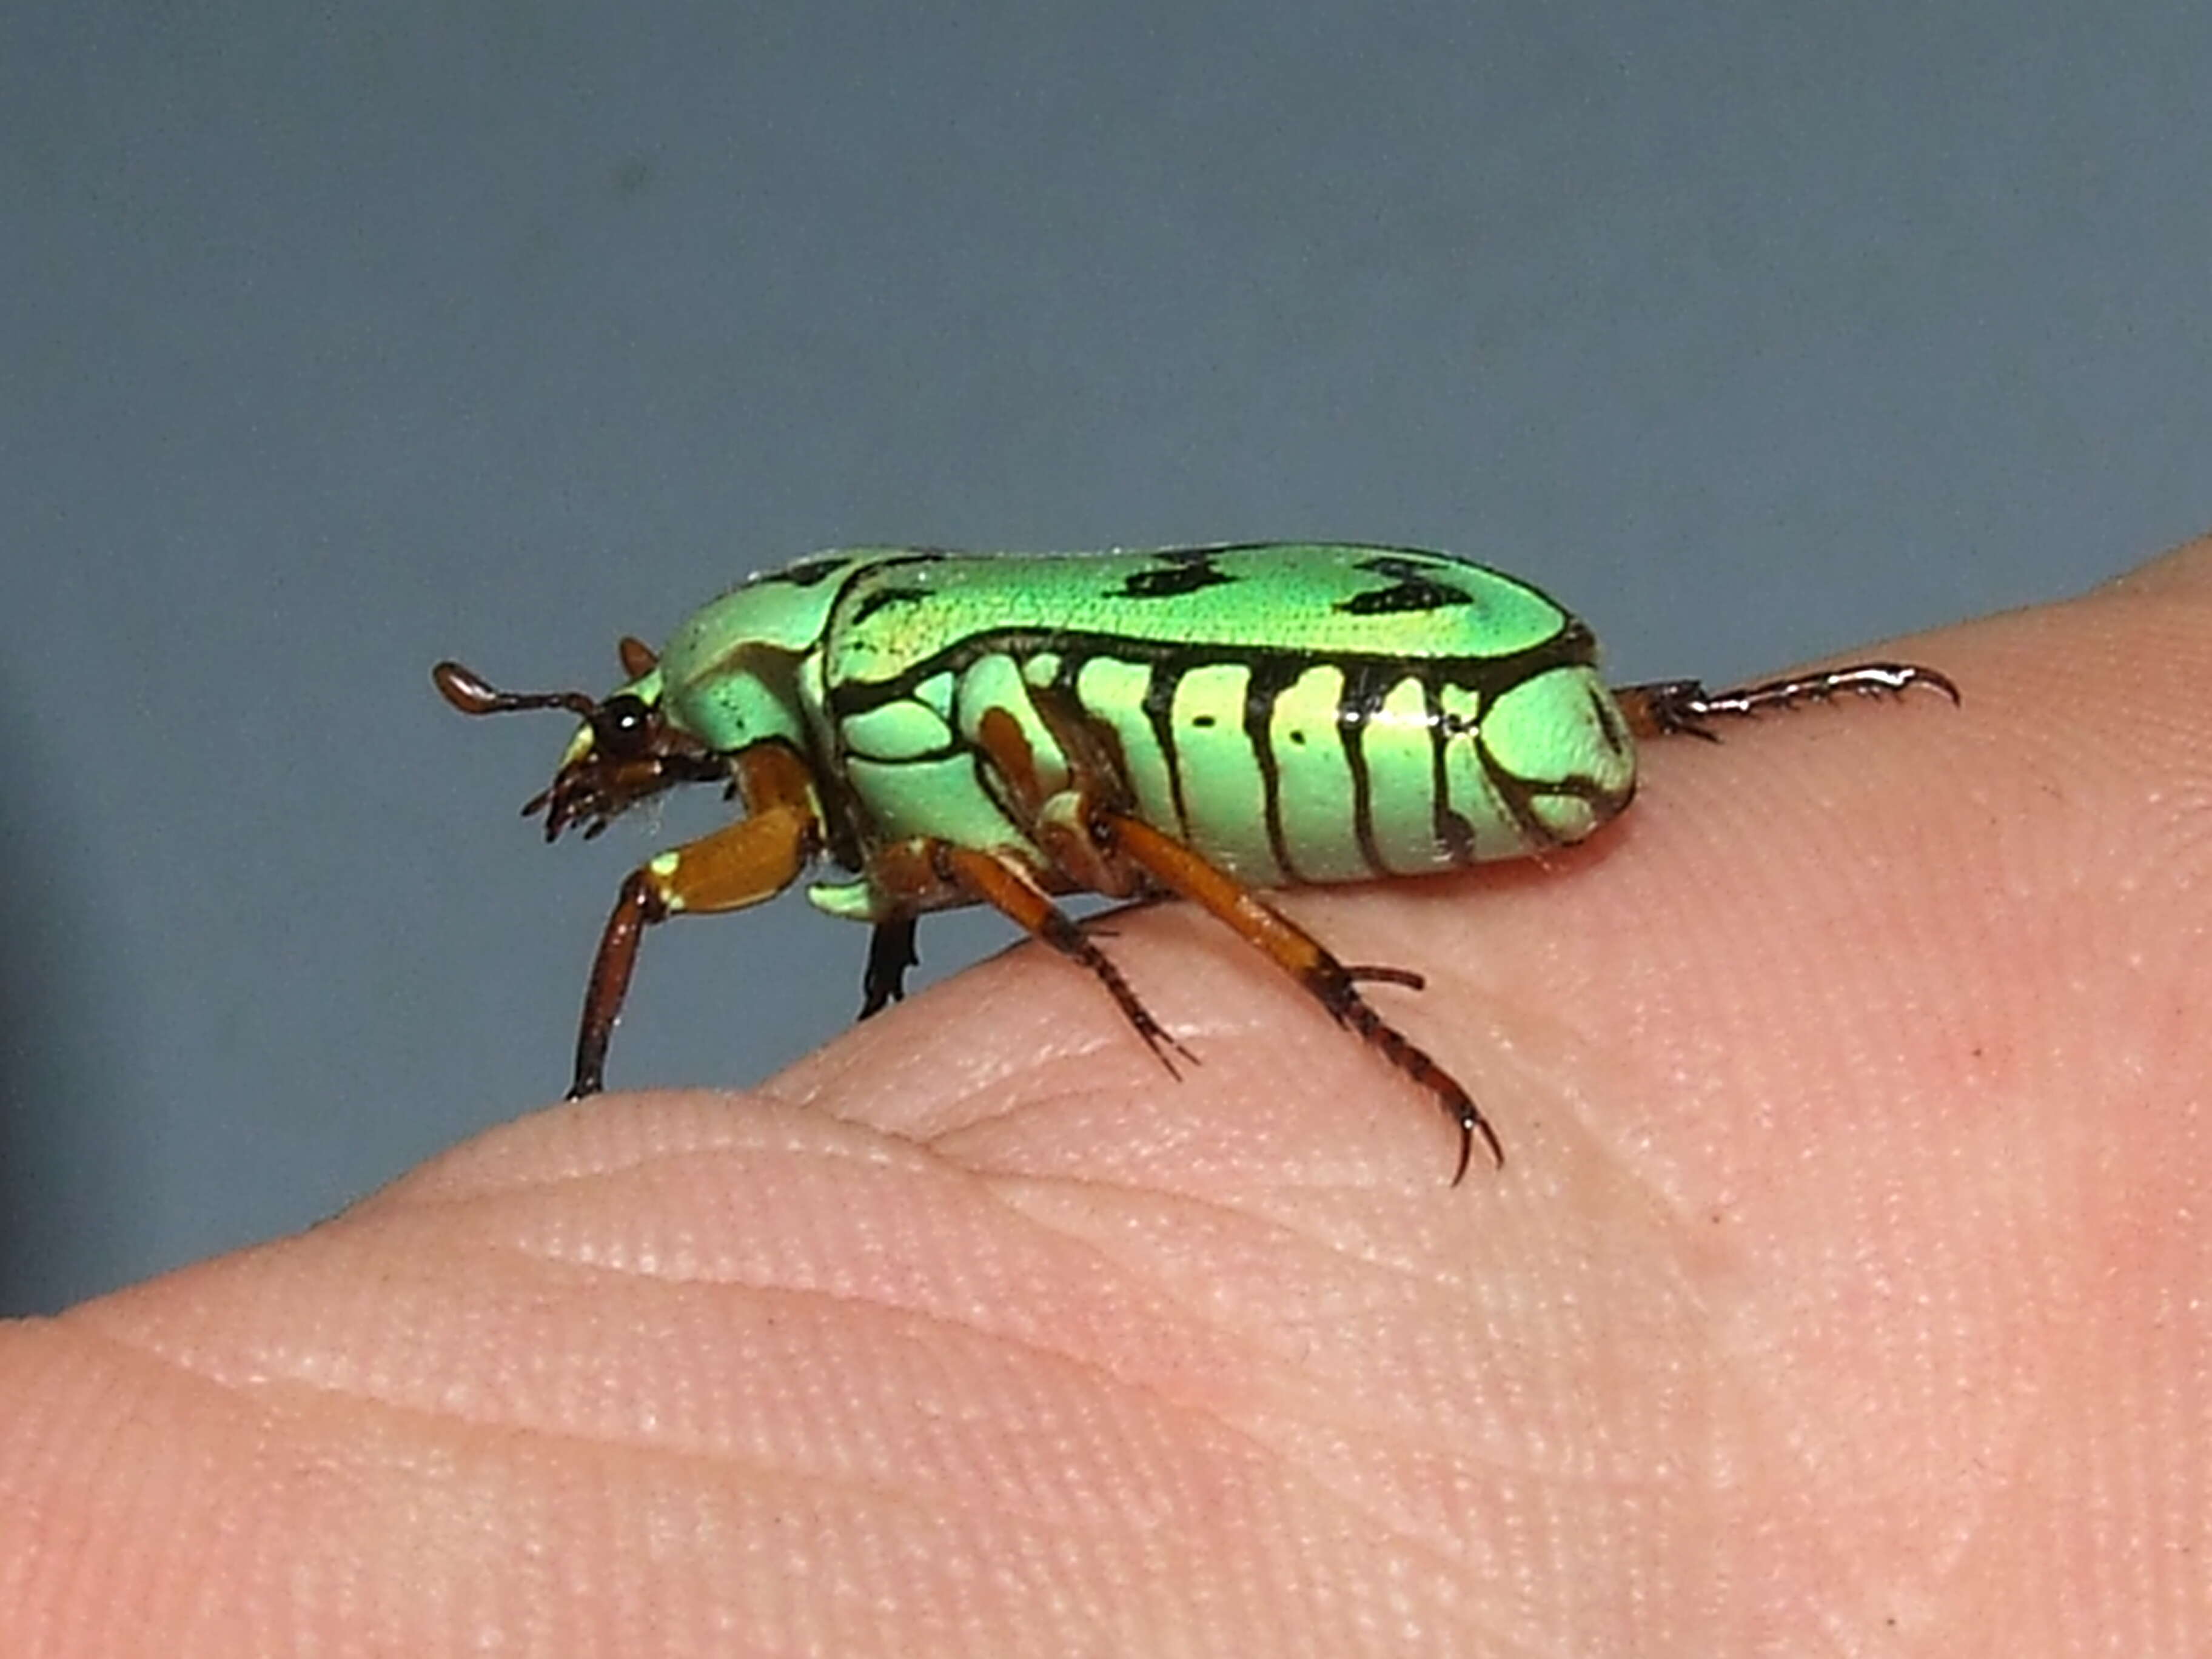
(339, 340)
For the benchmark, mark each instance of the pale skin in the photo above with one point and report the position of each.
(1848, 1288)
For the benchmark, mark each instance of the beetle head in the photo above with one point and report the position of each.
(626, 749)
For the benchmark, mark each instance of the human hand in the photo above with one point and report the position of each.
(1844, 1288)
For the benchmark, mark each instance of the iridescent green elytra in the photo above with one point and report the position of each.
(955, 728)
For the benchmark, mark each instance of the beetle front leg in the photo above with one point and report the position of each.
(740, 865)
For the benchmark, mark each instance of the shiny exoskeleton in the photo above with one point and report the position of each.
(1205, 722)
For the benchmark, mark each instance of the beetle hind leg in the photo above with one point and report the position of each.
(1369, 973)
(1333, 984)
(1090, 838)
(1672, 708)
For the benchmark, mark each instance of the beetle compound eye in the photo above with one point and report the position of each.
(621, 728)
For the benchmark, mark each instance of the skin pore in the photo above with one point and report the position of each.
(1844, 1289)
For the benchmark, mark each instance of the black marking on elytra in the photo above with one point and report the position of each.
(1264, 683)
(1513, 792)
(1580, 786)
(956, 745)
(1519, 793)
(1453, 834)
(882, 597)
(1458, 835)
(807, 573)
(1413, 587)
(1450, 721)
(1188, 570)
(1609, 720)
(1486, 676)
(1368, 682)
(1159, 708)
(1100, 742)
(1365, 686)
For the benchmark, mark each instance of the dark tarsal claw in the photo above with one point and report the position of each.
(1471, 1124)
(891, 953)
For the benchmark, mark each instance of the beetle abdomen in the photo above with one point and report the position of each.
(1286, 770)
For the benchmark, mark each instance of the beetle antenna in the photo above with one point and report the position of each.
(471, 695)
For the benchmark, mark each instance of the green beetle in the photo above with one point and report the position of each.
(954, 729)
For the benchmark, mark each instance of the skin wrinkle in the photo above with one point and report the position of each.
(1379, 1431)
(1409, 1533)
(826, 1085)
(983, 1184)
(1100, 1369)
(276, 1387)
(414, 1192)
(1180, 1200)
(923, 1500)
(924, 1504)
(987, 1188)
(1039, 1103)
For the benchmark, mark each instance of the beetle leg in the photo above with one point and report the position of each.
(1666, 708)
(1298, 953)
(1100, 847)
(891, 953)
(740, 864)
(1368, 973)
(1007, 887)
